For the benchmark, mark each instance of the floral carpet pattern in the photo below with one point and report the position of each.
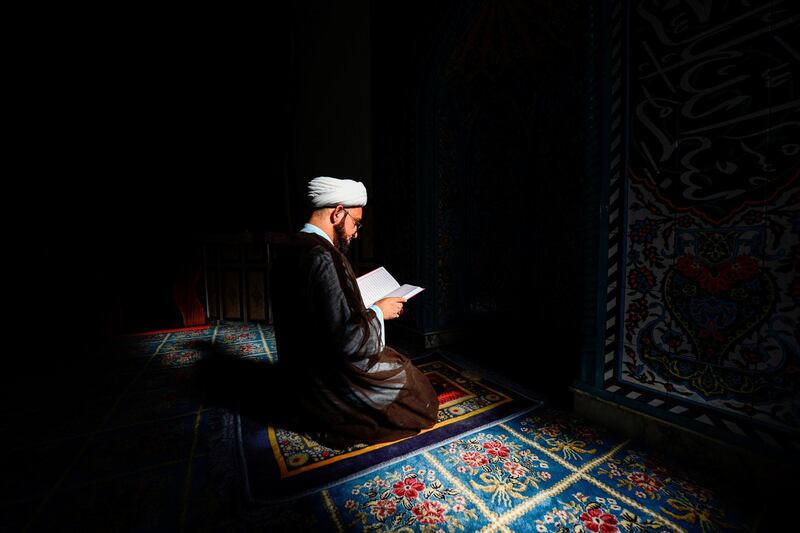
(143, 450)
(540, 471)
(281, 461)
(544, 472)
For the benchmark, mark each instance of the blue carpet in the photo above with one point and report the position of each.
(282, 463)
(140, 448)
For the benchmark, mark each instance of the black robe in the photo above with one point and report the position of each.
(350, 387)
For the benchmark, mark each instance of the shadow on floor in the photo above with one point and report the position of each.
(257, 389)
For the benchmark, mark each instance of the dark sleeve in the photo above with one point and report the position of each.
(355, 335)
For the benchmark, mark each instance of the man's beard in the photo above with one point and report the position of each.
(342, 242)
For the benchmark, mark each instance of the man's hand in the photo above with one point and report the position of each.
(391, 307)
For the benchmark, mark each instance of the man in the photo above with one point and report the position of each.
(350, 386)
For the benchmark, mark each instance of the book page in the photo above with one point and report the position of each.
(406, 291)
(375, 285)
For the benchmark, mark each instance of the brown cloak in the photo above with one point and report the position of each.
(350, 387)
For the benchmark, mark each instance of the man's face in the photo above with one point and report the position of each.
(347, 228)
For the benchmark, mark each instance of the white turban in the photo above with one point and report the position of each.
(330, 192)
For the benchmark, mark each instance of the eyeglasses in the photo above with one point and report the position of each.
(357, 222)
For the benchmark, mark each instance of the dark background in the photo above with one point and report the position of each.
(167, 126)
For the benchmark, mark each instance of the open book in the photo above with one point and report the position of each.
(380, 284)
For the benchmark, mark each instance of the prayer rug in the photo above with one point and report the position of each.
(279, 463)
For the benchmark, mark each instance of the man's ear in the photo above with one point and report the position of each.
(335, 213)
